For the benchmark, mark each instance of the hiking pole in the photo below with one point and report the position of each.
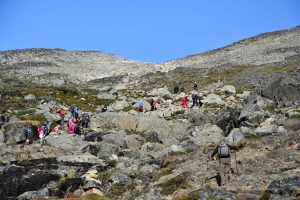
(236, 168)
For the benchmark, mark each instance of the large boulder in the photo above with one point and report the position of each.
(283, 89)
(228, 89)
(81, 159)
(29, 97)
(66, 142)
(235, 137)
(292, 124)
(13, 133)
(211, 193)
(34, 194)
(286, 188)
(213, 99)
(266, 128)
(106, 96)
(161, 92)
(2, 137)
(118, 105)
(209, 134)
(16, 180)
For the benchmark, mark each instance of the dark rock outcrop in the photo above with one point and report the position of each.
(283, 90)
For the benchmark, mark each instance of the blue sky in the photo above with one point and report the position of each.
(152, 31)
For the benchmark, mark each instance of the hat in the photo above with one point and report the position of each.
(222, 141)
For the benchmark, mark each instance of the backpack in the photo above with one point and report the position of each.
(26, 131)
(141, 104)
(223, 150)
(72, 108)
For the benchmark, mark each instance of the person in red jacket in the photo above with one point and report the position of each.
(184, 103)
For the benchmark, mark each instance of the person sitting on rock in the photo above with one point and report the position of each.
(26, 132)
(184, 103)
(141, 106)
(223, 153)
(153, 104)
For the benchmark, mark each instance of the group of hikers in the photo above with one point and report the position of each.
(222, 151)
(195, 96)
(73, 124)
(184, 98)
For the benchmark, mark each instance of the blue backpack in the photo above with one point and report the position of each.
(141, 104)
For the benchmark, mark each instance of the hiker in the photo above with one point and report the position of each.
(41, 132)
(74, 111)
(176, 88)
(71, 125)
(26, 132)
(85, 120)
(182, 89)
(195, 98)
(141, 106)
(195, 86)
(184, 103)
(47, 125)
(103, 108)
(223, 151)
(62, 113)
(153, 104)
(77, 129)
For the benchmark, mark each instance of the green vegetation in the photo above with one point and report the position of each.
(161, 173)
(138, 193)
(13, 97)
(266, 195)
(26, 111)
(178, 182)
(194, 195)
(117, 189)
(288, 68)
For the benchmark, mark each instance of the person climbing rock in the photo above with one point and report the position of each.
(223, 153)
(26, 132)
(153, 104)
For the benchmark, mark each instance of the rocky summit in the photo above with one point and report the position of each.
(147, 131)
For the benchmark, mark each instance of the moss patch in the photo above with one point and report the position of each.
(178, 182)
(266, 195)
(161, 173)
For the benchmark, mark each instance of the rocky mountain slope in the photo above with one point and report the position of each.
(263, 49)
(250, 93)
(57, 66)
